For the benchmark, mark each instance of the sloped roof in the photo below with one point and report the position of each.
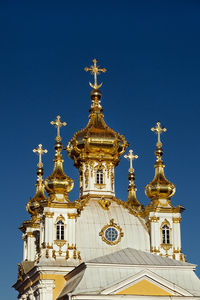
(99, 274)
(130, 256)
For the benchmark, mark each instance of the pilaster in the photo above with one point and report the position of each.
(31, 248)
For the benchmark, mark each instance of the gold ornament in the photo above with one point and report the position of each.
(160, 187)
(95, 71)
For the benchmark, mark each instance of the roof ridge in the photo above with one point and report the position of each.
(137, 257)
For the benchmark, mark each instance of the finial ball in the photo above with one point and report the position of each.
(159, 152)
(58, 146)
(40, 171)
(95, 94)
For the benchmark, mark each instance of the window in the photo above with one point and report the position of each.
(60, 230)
(165, 235)
(99, 177)
(111, 234)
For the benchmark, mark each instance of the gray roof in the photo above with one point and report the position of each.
(131, 256)
(103, 272)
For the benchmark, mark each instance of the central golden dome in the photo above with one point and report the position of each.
(97, 140)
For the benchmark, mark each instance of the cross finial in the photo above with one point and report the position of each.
(94, 69)
(40, 152)
(131, 157)
(158, 129)
(58, 124)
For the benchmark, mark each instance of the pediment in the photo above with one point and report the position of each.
(146, 283)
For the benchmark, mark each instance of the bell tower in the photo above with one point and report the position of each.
(163, 218)
(97, 148)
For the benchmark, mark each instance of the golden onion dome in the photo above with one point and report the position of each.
(159, 187)
(34, 203)
(96, 139)
(58, 182)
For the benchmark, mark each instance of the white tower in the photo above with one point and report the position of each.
(163, 218)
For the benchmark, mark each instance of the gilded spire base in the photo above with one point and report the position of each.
(160, 190)
(132, 200)
(34, 204)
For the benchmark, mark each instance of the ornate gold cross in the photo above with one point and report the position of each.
(58, 124)
(158, 129)
(131, 157)
(95, 71)
(40, 152)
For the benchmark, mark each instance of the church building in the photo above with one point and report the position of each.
(99, 247)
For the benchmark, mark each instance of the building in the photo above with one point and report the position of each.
(99, 247)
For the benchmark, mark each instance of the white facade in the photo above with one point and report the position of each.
(98, 178)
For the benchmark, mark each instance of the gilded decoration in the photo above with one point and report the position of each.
(160, 187)
(54, 254)
(111, 239)
(154, 219)
(86, 175)
(58, 182)
(60, 243)
(165, 222)
(96, 141)
(47, 253)
(79, 255)
(176, 220)
(67, 254)
(91, 164)
(112, 179)
(154, 250)
(34, 204)
(83, 201)
(72, 215)
(30, 234)
(132, 200)
(49, 214)
(60, 218)
(166, 246)
(100, 186)
(20, 274)
(104, 203)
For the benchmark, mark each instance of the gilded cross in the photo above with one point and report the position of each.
(58, 124)
(131, 157)
(95, 71)
(158, 129)
(40, 152)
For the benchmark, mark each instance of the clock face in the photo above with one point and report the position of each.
(111, 234)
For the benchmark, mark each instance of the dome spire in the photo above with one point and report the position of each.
(158, 129)
(58, 124)
(95, 94)
(95, 70)
(58, 182)
(34, 202)
(132, 198)
(160, 187)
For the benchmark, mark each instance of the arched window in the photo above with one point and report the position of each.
(99, 177)
(165, 234)
(60, 230)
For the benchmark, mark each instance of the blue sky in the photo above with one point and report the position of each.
(151, 50)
